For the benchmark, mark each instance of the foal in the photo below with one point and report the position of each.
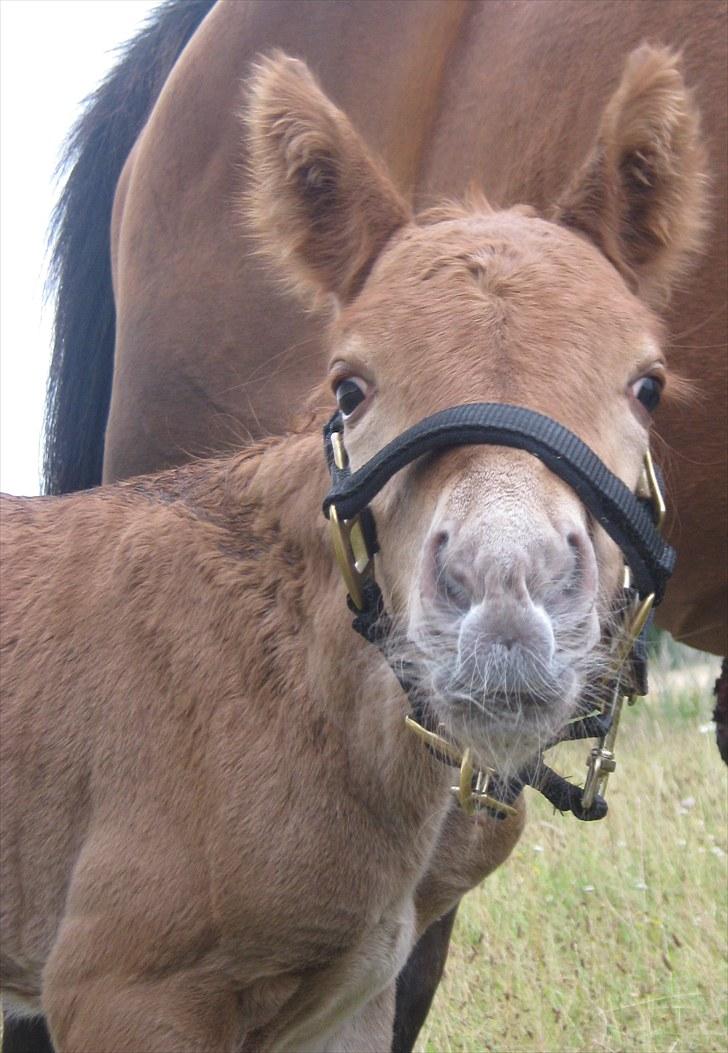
(240, 839)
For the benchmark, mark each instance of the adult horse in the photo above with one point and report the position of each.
(241, 838)
(208, 349)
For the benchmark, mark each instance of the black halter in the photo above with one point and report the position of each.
(630, 520)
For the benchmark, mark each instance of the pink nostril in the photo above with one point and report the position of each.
(439, 544)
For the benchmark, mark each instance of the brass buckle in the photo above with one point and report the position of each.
(471, 792)
(649, 487)
(601, 761)
(347, 538)
(352, 555)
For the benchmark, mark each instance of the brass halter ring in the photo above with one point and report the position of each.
(601, 761)
(348, 541)
(471, 792)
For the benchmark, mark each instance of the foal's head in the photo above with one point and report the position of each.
(501, 582)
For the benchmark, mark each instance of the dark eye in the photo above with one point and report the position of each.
(349, 394)
(648, 390)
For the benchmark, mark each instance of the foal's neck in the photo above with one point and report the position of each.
(268, 500)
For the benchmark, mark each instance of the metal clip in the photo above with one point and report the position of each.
(347, 538)
(649, 487)
(472, 789)
(352, 554)
(601, 761)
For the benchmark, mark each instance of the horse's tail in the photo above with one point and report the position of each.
(79, 384)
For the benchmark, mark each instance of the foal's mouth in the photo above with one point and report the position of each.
(506, 710)
(545, 699)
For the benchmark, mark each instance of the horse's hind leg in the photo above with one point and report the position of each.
(417, 983)
(720, 713)
(26, 1035)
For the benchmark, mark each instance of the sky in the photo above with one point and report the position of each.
(52, 54)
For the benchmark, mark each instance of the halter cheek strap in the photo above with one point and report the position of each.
(633, 521)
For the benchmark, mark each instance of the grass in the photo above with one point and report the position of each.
(606, 936)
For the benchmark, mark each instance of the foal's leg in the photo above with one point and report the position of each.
(26, 1035)
(469, 848)
(127, 972)
(367, 1031)
(417, 983)
(720, 713)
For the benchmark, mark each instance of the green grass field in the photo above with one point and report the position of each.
(607, 936)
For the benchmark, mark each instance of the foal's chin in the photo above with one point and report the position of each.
(506, 709)
(506, 731)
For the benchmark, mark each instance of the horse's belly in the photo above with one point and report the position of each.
(333, 1005)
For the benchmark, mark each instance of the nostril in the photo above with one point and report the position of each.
(455, 591)
(450, 583)
(440, 539)
(576, 544)
(439, 544)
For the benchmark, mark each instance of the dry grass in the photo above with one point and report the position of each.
(608, 936)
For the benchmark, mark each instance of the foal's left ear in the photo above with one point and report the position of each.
(321, 203)
(641, 194)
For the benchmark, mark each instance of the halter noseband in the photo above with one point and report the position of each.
(631, 520)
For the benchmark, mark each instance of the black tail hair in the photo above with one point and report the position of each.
(79, 384)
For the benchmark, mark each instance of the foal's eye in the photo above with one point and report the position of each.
(648, 390)
(349, 394)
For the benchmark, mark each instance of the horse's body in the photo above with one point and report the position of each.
(209, 351)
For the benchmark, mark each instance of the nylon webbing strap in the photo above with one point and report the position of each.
(612, 504)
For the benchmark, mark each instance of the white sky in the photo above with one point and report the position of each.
(52, 54)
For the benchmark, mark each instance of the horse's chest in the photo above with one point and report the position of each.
(329, 1004)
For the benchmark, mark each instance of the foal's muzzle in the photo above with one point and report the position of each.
(632, 520)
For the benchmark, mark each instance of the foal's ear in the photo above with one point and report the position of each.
(641, 194)
(320, 202)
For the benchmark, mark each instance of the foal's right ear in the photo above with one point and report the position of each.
(641, 196)
(320, 202)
